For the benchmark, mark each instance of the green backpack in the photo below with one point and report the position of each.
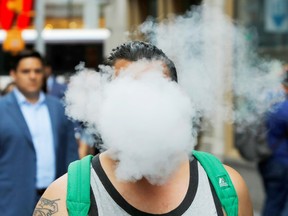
(78, 187)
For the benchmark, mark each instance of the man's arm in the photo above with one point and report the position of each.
(245, 207)
(53, 201)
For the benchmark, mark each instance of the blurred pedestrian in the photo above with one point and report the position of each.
(274, 170)
(87, 141)
(51, 85)
(36, 139)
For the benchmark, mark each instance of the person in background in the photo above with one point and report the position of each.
(185, 192)
(51, 85)
(86, 141)
(274, 170)
(37, 140)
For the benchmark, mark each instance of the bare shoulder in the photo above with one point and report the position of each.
(53, 201)
(245, 204)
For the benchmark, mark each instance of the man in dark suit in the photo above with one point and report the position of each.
(52, 86)
(37, 141)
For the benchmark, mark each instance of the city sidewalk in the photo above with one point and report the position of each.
(250, 173)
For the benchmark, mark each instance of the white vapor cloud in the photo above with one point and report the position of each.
(213, 58)
(144, 118)
(148, 122)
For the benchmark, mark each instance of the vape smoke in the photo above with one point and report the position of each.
(144, 118)
(147, 122)
(85, 93)
(214, 58)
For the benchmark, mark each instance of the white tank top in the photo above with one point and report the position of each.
(200, 198)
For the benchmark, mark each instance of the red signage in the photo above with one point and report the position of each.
(24, 17)
(8, 14)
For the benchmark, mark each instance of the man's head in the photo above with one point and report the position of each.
(138, 50)
(136, 112)
(28, 74)
(47, 68)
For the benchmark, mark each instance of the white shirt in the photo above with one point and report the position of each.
(39, 123)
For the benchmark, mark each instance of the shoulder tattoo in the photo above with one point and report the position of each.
(46, 207)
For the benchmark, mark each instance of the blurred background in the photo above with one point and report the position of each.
(68, 32)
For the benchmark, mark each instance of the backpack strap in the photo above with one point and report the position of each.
(220, 180)
(78, 187)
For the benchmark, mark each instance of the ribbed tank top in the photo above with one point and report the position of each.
(199, 200)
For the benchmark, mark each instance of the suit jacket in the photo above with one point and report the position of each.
(18, 157)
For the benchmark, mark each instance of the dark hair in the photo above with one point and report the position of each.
(136, 50)
(26, 54)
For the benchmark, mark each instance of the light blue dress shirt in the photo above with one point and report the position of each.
(39, 123)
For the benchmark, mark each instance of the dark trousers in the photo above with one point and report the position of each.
(275, 179)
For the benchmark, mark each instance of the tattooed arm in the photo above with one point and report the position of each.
(53, 201)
